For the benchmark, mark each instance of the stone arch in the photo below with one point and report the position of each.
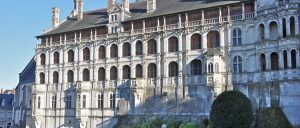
(152, 70)
(86, 54)
(42, 59)
(113, 51)
(274, 61)
(173, 69)
(139, 71)
(152, 48)
(196, 67)
(102, 52)
(173, 44)
(86, 75)
(126, 49)
(113, 73)
(70, 75)
(213, 39)
(70, 55)
(196, 40)
(273, 30)
(139, 48)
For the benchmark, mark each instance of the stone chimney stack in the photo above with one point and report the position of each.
(1, 91)
(110, 4)
(55, 17)
(151, 5)
(79, 9)
(126, 5)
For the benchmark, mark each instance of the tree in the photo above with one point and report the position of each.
(231, 109)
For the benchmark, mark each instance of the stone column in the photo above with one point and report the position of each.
(204, 40)
(202, 17)
(180, 43)
(289, 59)
(288, 29)
(222, 37)
(268, 61)
(281, 61)
(297, 31)
(280, 30)
(267, 31)
(120, 50)
(243, 11)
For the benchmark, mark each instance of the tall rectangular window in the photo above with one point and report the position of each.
(100, 100)
(53, 102)
(112, 100)
(69, 102)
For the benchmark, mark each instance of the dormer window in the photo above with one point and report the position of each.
(114, 18)
(114, 29)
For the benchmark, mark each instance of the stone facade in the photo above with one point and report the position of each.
(168, 64)
(6, 110)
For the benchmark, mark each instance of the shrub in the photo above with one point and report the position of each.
(271, 118)
(173, 124)
(231, 109)
(188, 125)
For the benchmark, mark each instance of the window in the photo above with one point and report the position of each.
(196, 67)
(42, 78)
(8, 125)
(113, 73)
(55, 77)
(126, 49)
(292, 26)
(273, 31)
(114, 29)
(100, 100)
(173, 69)
(126, 72)
(43, 59)
(213, 39)
(101, 74)
(152, 70)
(139, 48)
(173, 44)
(53, 102)
(56, 58)
(152, 46)
(283, 27)
(274, 61)
(210, 68)
(285, 60)
(102, 52)
(70, 76)
(39, 102)
(139, 71)
(86, 75)
(86, 54)
(68, 102)
(293, 58)
(237, 64)
(84, 101)
(196, 42)
(70, 56)
(112, 99)
(113, 51)
(262, 62)
(237, 37)
(261, 32)
(114, 18)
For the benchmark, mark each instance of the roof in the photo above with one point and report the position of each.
(28, 73)
(6, 100)
(138, 11)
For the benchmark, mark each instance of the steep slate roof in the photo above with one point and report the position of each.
(6, 100)
(28, 74)
(138, 10)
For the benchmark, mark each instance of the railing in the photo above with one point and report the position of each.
(171, 26)
(138, 31)
(249, 15)
(236, 17)
(211, 21)
(194, 23)
(41, 45)
(149, 30)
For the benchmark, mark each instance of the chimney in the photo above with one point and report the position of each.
(110, 4)
(151, 5)
(55, 17)
(1, 91)
(79, 9)
(126, 5)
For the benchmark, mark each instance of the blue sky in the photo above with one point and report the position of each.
(20, 22)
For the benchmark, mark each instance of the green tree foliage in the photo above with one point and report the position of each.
(188, 125)
(173, 124)
(231, 109)
(271, 118)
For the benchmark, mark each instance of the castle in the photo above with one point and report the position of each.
(165, 57)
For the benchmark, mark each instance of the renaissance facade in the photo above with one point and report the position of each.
(165, 57)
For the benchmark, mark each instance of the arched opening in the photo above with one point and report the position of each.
(86, 75)
(101, 74)
(285, 60)
(173, 69)
(152, 46)
(139, 71)
(261, 32)
(196, 67)
(292, 26)
(293, 58)
(274, 61)
(126, 72)
(8, 125)
(273, 31)
(213, 39)
(152, 70)
(126, 49)
(196, 42)
(42, 78)
(70, 56)
(56, 58)
(139, 48)
(55, 77)
(173, 44)
(283, 27)
(43, 59)
(70, 75)
(237, 64)
(263, 65)
(237, 37)
(86, 54)
(210, 68)
(102, 52)
(113, 51)
(113, 73)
